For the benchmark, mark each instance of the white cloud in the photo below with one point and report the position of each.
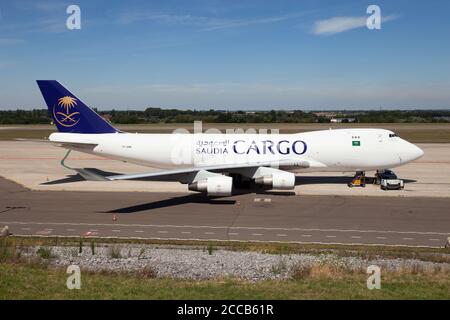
(41, 6)
(132, 17)
(341, 24)
(247, 22)
(10, 41)
(201, 22)
(51, 25)
(47, 25)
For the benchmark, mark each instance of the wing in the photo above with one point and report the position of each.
(187, 175)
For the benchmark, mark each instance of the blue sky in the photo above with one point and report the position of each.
(228, 54)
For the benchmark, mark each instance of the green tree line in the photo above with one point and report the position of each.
(158, 115)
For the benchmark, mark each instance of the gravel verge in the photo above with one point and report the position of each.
(209, 263)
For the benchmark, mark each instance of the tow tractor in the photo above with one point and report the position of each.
(359, 180)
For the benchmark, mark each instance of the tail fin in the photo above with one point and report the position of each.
(69, 113)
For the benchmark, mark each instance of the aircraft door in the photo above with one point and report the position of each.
(380, 137)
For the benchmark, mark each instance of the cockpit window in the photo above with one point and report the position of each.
(392, 135)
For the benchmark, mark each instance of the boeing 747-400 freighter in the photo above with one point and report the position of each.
(209, 162)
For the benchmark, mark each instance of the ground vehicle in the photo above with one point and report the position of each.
(359, 180)
(389, 181)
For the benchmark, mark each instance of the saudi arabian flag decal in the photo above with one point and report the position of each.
(356, 143)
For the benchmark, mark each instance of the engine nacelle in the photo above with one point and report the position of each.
(213, 186)
(282, 180)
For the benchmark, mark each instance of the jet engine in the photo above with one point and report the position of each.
(279, 180)
(213, 186)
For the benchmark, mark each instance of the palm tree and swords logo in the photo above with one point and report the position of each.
(64, 113)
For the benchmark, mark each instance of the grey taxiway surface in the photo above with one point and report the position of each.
(247, 217)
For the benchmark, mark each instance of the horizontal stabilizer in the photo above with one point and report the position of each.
(67, 145)
(90, 175)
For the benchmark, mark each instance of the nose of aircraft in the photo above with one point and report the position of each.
(410, 152)
(419, 152)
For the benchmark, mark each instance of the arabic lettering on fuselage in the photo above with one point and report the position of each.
(282, 147)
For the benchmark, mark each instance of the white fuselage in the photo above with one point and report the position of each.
(326, 150)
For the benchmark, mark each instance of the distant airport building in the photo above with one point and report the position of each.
(342, 120)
